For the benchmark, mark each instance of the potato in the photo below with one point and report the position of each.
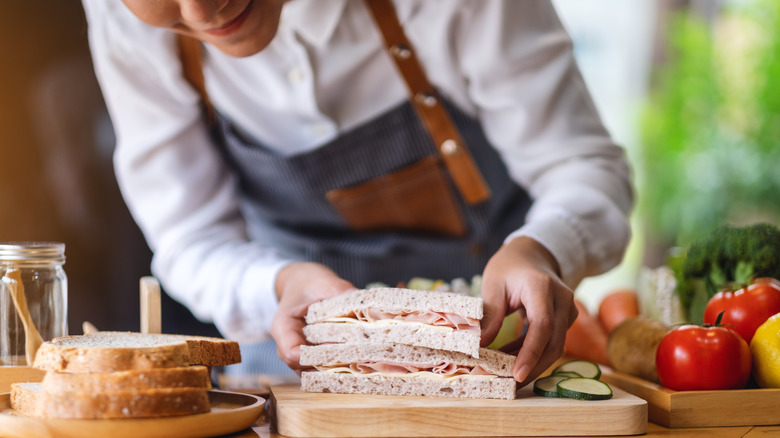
(631, 346)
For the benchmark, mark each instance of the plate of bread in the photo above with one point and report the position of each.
(128, 384)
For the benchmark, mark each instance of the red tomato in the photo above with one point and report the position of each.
(747, 308)
(693, 357)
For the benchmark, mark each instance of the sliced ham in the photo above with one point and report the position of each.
(441, 319)
(443, 369)
(382, 367)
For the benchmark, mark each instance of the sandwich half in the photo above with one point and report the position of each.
(439, 320)
(396, 369)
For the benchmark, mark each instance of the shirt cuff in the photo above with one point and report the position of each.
(557, 232)
(257, 303)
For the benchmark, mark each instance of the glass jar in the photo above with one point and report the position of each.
(45, 289)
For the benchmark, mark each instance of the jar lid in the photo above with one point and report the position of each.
(32, 251)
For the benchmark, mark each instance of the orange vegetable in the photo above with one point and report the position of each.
(616, 307)
(586, 338)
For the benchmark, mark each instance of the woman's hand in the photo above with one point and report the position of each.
(523, 276)
(297, 286)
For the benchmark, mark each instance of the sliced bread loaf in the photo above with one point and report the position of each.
(102, 352)
(30, 399)
(181, 377)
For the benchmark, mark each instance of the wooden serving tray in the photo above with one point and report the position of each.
(230, 412)
(305, 414)
(735, 407)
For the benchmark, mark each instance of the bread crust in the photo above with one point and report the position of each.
(181, 377)
(51, 357)
(212, 352)
(24, 397)
(30, 399)
(162, 402)
(102, 352)
(345, 383)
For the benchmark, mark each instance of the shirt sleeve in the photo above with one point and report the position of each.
(531, 99)
(174, 181)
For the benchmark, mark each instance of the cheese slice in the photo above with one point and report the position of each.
(386, 322)
(418, 374)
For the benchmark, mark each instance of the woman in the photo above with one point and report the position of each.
(317, 155)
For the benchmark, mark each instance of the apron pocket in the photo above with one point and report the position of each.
(417, 198)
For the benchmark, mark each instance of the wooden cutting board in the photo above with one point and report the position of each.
(303, 414)
(736, 407)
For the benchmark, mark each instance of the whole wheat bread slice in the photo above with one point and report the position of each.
(463, 387)
(395, 299)
(180, 377)
(102, 352)
(30, 399)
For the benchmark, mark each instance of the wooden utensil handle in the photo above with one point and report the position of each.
(32, 338)
(151, 315)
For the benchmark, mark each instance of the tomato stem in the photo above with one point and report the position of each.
(720, 316)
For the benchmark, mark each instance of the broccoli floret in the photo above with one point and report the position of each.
(728, 257)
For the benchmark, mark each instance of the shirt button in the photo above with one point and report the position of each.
(295, 76)
(321, 129)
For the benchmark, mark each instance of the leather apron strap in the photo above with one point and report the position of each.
(443, 132)
(191, 57)
(450, 146)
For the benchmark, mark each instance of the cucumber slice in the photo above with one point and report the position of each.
(582, 367)
(548, 386)
(567, 374)
(582, 388)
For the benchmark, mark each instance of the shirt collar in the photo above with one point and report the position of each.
(314, 20)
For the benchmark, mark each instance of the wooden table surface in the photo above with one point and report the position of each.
(263, 429)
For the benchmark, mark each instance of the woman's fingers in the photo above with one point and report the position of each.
(298, 286)
(523, 276)
(288, 333)
(545, 338)
(494, 311)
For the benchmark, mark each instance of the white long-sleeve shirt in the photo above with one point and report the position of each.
(507, 63)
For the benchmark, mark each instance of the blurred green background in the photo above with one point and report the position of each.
(711, 127)
(702, 128)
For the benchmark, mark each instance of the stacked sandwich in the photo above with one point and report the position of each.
(123, 375)
(394, 341)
